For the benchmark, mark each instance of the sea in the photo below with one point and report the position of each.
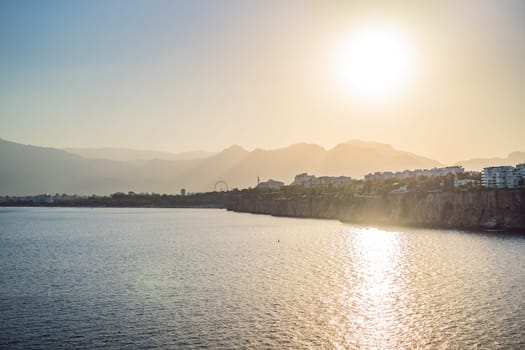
(83, 278)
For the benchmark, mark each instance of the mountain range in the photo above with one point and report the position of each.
(26, 169)
(480, 163)
(127, 155)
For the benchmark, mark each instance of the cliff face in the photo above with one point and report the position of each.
(501, 209)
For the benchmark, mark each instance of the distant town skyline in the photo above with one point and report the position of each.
(177, 76)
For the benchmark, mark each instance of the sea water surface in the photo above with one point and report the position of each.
(199, 278)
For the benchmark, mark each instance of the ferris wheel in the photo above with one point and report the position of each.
(221, 186)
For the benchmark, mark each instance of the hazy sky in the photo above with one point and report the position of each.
(175, 76)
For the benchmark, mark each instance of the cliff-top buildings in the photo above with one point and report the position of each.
(270, 184)
(306, 180)
(504, 176)
(454, 170)
(491, 177)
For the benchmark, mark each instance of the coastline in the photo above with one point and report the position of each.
(394, 227)
(476, 210)
(486, 210)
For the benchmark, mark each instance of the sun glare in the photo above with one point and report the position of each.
(374, 62)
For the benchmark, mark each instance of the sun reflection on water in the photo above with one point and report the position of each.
(372, 289)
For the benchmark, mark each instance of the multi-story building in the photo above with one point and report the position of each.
(521, 169)
(454, 170)
(270, 184)
(505, 176)
(306, 180)
(334, 180)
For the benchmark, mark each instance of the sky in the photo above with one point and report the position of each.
(184, 75)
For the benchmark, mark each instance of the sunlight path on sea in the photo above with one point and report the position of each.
(370, 257)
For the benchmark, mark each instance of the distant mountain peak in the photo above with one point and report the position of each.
(479, 163)
(235, 148)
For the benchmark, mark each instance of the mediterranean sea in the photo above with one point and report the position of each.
(80, 278)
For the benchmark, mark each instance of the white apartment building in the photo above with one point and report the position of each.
(335, 180)
(457, 169)
(271, 184)
(521, 169)
(307, 180)
(505, 176)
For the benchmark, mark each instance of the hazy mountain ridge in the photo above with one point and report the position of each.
(31, 169)
(26, 169)
(127, 154)
(480, 163)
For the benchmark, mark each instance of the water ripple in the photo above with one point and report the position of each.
(164, 278)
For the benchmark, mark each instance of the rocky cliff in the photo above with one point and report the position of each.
(486, 209)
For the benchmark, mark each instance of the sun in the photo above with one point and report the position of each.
(374, 62)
